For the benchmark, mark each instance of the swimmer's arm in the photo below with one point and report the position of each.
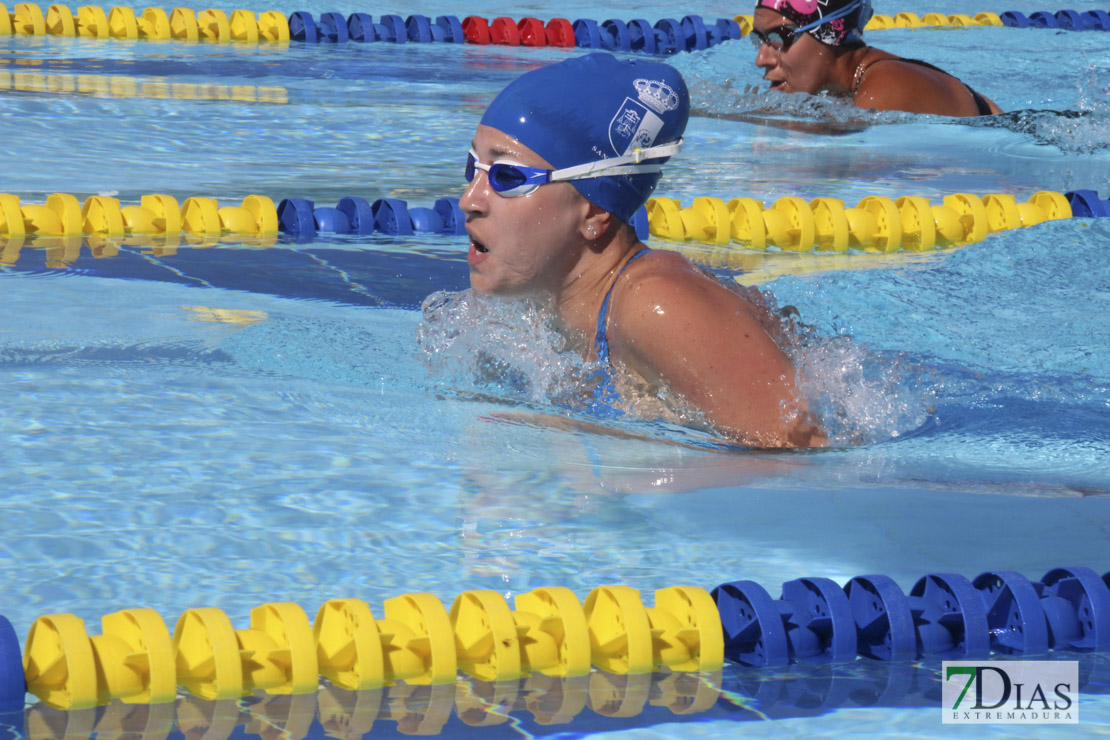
(707, 344)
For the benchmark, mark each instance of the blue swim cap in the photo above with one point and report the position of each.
(592, 108)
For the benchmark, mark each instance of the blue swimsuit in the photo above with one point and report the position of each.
(605, 392)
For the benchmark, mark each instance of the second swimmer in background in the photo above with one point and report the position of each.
(814, 46)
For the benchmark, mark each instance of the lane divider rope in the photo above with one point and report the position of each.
(548, 631)
(665, 36)
(875, 224)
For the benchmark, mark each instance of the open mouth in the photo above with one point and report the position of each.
(777, 84)
(478, 246)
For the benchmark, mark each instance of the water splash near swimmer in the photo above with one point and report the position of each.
(509, 349)
(1084, 130)
(718, 91)
(860, 396)
(501, 346)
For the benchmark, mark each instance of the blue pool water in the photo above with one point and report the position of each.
(194, 425)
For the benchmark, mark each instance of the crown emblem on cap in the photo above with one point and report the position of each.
(656, 94)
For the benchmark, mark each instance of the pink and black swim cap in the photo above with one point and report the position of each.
(832, 22)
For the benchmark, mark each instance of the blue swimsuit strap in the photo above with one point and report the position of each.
(605, 392)
(601, 339)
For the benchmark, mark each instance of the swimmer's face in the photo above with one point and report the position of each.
(525, 245)
(804, 66)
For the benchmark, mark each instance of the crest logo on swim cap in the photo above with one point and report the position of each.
(656, 94)
(633, 127)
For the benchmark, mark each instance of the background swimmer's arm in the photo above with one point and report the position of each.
(674, 326)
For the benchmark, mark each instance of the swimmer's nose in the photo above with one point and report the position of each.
(766, 57)
(476, 197)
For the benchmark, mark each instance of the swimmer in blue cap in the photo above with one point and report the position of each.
(817, 46)
(561, 161)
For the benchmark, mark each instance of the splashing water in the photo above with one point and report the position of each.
(863, 397)
(730, 97)
(504, 347)
(511, 350)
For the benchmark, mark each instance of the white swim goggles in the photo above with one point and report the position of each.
(511, 179)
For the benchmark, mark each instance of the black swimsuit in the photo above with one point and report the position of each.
(980, 102)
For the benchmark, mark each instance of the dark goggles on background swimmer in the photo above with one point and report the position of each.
(781, 37)
(511, 179)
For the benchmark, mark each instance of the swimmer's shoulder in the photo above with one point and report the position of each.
(888, 82)
(664, 291)
(662, 269)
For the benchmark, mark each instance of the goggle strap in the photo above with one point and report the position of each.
(613, 165)
(620, 169)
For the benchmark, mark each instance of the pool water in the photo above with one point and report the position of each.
(195, 425)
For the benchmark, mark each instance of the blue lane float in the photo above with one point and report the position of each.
(754, 631)
(945, 615)
(819, 620)
(1014, 615)
(1076, 603)
(302, 27)
(333, 28)
(1087, 204)
(619, 35)
(883, 617)
(360, 27)
(642, 36)
(392, 28)
(1071, 20)
(13, 688)
(302, 219)
(950, 616)
(1043, 19)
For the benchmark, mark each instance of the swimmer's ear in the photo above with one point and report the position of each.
(597, 222)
